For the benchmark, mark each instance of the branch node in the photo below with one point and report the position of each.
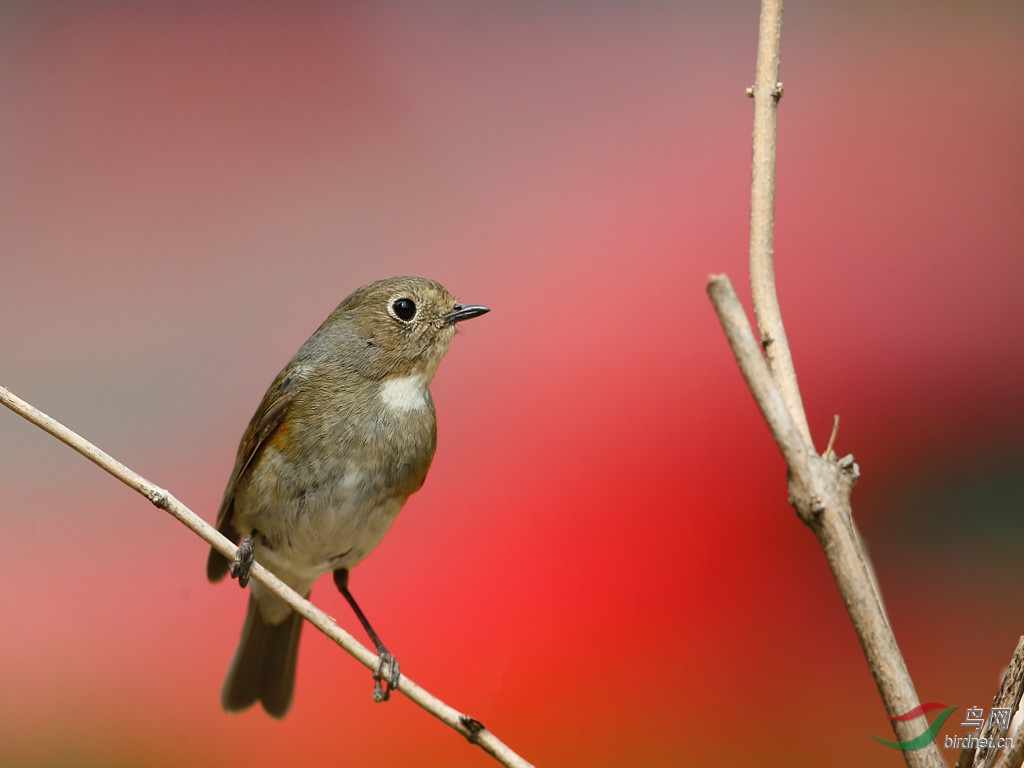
(848, 467)
(777, 92)
(159, 497)
(809, 506)
(472, 728)
(750, 92)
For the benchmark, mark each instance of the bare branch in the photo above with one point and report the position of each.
(756, 373)
(1014, 756)
(766, 93)
(470, 728)
(819, 486)
(820, 491)
(1007, 697)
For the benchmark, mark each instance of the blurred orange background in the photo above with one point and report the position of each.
(602, 566)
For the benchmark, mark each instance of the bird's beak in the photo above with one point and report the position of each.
(462, 312)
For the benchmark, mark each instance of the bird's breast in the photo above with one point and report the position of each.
(323, 496)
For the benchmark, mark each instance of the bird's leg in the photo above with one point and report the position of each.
(380, 693)
(240, 566)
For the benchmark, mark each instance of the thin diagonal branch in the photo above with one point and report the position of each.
(470, 728)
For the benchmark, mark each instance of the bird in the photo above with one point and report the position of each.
(343, 436)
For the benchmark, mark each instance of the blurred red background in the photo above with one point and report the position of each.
(602, 566)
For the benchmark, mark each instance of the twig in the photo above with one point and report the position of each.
(819, 486)
(757, 375)
(470, 728)
(832, 437)
(766, 93)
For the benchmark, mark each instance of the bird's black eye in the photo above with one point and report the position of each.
(404, 309)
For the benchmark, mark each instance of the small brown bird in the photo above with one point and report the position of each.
(341, 439)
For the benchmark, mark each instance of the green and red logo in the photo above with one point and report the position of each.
(993, 728)
(929, 733)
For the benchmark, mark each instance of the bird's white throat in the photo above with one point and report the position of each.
(405, 393)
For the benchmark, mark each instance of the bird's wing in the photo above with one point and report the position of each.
(265, 421)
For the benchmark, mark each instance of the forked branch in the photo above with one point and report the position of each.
(819, 486)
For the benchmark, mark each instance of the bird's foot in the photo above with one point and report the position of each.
(240, 566)
(383, 692)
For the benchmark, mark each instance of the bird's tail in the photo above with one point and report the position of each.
(263, 667)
